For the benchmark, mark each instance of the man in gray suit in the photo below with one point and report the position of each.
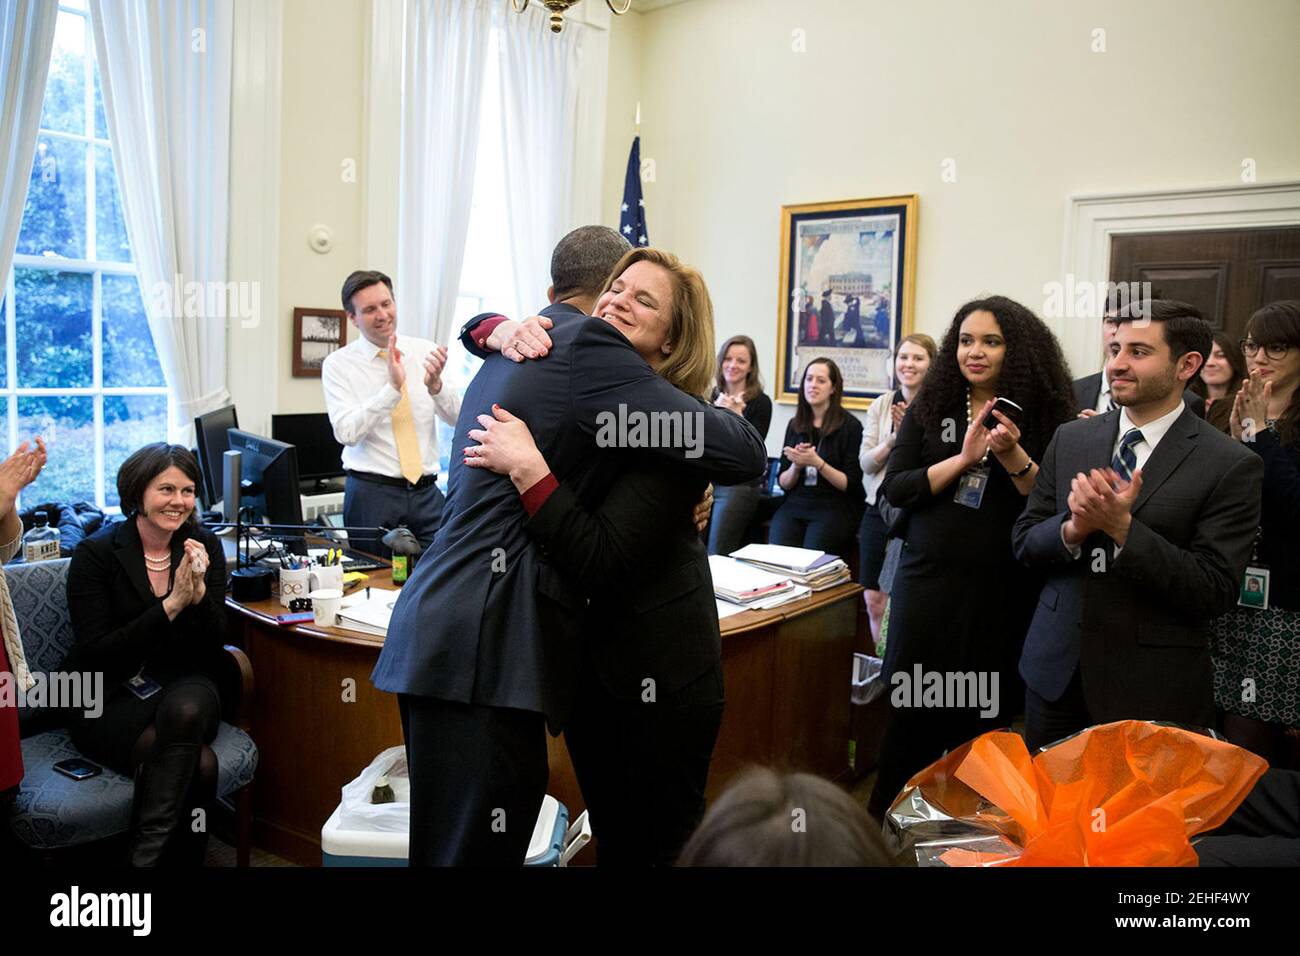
(1143, 519)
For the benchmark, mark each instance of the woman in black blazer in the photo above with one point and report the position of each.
(820, 471)
(739, 389)
(147, 601)
(649, 697)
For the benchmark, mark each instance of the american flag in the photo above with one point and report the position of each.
(632, 220)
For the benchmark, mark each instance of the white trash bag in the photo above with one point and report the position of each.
(357, 812)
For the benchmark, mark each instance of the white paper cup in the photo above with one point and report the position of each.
(325, 606)
(294, 583)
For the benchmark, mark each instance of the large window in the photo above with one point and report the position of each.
(487, 282)
(78, 362)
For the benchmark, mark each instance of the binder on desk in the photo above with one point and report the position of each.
(368, 616)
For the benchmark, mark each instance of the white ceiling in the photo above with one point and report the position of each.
(645, 6)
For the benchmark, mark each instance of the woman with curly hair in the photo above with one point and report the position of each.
(961, 603)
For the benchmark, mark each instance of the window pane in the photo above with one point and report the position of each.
(110, 228)
(67, 424)
(52, 326)
(64, 108)
(101, 123)
(54, 219)
(130, 421)
(129, 356)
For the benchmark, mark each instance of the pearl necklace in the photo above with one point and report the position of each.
(970, 416)
(158, 563)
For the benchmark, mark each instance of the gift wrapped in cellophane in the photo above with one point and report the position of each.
(1130, 793)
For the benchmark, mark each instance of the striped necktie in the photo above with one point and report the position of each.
(1125, 460)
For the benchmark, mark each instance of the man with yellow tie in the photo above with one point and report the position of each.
(382, 392)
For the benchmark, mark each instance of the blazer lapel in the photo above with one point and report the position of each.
(130, 554)
(1168, 455)
(1099, 444)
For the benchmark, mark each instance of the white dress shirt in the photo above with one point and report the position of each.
(1152, 432)
(360, 401)
(1103, 403)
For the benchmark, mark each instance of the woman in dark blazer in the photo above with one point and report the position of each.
(820, 471)
(739, 389)
(649, 697)
(147, 601)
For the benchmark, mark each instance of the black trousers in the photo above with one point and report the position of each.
(370, 504)
(1047, 721)
(642, 766)
(1263, 831)
(478, 776)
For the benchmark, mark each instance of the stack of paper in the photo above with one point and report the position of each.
(815, 569)
(742, 583)
(367, 616)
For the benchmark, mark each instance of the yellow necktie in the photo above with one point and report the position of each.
(408, 446)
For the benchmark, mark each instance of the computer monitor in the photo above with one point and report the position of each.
(268, 480)
(210, 432)
(320, 456)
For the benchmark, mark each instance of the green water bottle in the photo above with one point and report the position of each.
(400, 569)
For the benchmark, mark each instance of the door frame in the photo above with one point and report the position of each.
(1092, 219)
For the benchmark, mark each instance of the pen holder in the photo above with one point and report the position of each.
(326, 577)
(294, 583)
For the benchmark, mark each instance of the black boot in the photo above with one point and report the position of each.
(161, 785)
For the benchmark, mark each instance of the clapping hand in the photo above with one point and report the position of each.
(896, 413)
(976, 443)
(195, 562)
(1250, 407)
(803, 455)
(1102, 501)
(18, 471)
(396, 373)
(732, 403)
(1005, 436)
(434, 362)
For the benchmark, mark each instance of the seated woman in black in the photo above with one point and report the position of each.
(820, 471)
(961, 603)
(649, 699)
(147, 597)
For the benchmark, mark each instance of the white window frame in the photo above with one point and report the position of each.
(96, 268)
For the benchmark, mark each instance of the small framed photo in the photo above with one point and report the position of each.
(316, 333)
(848, 281)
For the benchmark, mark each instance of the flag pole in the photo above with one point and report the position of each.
(638, 118)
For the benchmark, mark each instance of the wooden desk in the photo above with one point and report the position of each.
(318, 720)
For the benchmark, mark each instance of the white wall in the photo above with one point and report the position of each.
(739, 123)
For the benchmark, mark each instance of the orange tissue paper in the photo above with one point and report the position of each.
(1131, 793)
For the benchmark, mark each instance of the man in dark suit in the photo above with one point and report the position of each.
(1143, 518)
(483, 645)
(1092, 392)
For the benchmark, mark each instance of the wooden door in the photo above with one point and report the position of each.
(1226, 273)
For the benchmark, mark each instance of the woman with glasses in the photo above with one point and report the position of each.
(1257, 645)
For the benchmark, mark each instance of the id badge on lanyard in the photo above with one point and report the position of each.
(1254, 583)
(971, 487)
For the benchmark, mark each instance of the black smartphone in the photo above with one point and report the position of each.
(78, 768)
(1008, 408)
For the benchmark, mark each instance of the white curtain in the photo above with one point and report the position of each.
(26, 40)
(539, 85)
(165, 70)
(444, 59)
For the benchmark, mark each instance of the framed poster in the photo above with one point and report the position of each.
(848, 283)
(316, 333)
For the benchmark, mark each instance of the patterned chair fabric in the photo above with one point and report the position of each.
(52, 810)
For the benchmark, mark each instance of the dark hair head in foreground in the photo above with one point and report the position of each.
(796, 819)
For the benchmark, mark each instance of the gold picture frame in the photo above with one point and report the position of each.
(826, 251)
